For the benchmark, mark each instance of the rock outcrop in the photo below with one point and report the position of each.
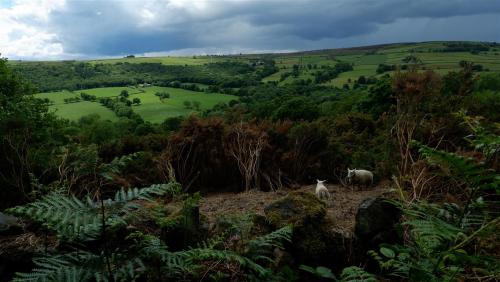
(314, 241)
(376, 222)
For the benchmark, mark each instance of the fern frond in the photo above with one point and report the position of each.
(57, 268)
(147, 193)
(261, 247)
(70, 217)
(476, 175)
(177, 265)
(356, 274)
(122, 269)
(82, 266)
(74, 219)
(432, 234)
(151, 247)
(114, 167)
(195, 255)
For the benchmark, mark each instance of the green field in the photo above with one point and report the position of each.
(366, 59)
(151, 108)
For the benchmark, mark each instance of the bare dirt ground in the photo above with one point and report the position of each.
(341, 208)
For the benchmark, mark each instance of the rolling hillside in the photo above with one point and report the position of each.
(366, 60)
(151, 109)
(211, 75)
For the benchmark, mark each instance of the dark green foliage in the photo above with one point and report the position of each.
(172, 124)
(356, 274)
(124, 93)
(349, 274)
(490, 81)
(437, 247)
(411, 59)
(94, 130)
(74, 219)
(78, 221)
(48, 76)
(328, 73)
(459, 83)
(267, 68)
(121, 106)
(28, 135)
(162, 95)
(485, 104)
(380, 99)
(441, 238)
(81, 266)
(465, 47)
(319, 271)
(475, 175)
(72, 100)
(261, 248)
(88, 97)
(296, 109)
(187, 104)
(136, 101)
(385, 68)
(188, 263)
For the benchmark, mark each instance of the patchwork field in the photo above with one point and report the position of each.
(365, 60)
(151, 108)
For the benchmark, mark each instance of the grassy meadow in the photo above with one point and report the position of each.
(151, 108)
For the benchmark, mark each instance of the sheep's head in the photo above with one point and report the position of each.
(320, 181)
(351, 173)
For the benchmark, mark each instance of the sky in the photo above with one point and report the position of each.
(79, 29)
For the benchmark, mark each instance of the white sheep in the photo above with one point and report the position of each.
(322, 191)
(359, 176)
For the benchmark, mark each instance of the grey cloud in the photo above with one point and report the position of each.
(111, 28)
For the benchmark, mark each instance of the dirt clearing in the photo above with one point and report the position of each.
(341, 208)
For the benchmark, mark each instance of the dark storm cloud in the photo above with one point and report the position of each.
(97, 27)
(338, 19)
(116, 27)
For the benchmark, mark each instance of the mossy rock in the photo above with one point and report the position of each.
(297, 208)
(260, 225)
(376, 223)
(314, 241)
(375, 219)
(318, 244)
(9, 225)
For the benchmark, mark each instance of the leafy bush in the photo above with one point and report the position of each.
(441, 238)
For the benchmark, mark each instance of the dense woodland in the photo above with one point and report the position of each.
(74, 75)
(432, 139)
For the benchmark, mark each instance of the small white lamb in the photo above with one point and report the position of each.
(359, 176)
(322, 191)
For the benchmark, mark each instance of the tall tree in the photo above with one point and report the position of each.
(26, 137)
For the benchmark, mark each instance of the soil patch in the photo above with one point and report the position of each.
(341, 208)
